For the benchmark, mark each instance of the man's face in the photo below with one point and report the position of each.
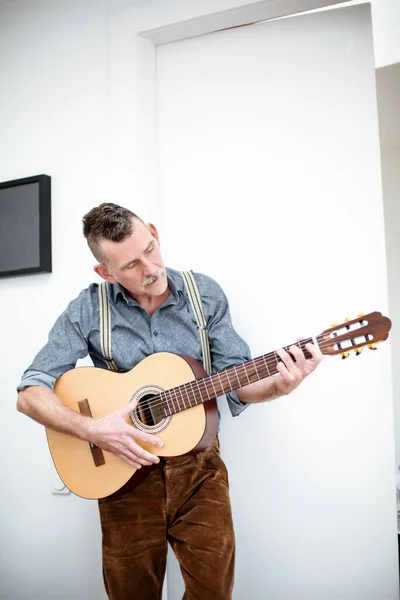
(136, 262)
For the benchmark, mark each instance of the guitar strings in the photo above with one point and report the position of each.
(201, 385)
(171, 396)
(268, 360)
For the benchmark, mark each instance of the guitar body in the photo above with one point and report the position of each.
(95, 473)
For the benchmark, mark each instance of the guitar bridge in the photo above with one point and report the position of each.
(97, 453)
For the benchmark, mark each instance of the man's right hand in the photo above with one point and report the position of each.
(112, 433)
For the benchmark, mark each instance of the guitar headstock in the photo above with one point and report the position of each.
(365, 330)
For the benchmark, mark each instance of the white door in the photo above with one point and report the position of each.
(269, 181)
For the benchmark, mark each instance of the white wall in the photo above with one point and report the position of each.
(388, 95)
(391, 194)
(54, 119)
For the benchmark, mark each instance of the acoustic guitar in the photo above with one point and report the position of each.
(176, 401)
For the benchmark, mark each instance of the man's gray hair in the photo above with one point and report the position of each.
(107, 222)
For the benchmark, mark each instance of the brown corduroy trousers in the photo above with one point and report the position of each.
(183, 501)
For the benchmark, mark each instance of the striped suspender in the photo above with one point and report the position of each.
(105, 327)
(195, 301)
(197, 308)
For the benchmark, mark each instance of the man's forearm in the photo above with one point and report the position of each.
(45, 407)
(260, 391)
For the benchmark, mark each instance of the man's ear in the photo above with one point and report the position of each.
(153, 230)
(102, 270)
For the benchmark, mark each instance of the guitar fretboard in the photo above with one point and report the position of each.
(198, 391)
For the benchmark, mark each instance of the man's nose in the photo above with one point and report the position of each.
(148, 267)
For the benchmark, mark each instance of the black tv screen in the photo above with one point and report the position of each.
(25, 226)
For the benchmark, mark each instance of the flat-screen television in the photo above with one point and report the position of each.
(25, 226)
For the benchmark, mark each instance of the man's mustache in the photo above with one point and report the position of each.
(150, 280)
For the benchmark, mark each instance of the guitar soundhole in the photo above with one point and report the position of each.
(148, 411)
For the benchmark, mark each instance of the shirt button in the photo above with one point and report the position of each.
(155, 333)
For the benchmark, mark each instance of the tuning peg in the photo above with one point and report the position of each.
(358, 351)
(344, 354)
(334, 325)
(360, 315)
(372, 346)
(347, 319)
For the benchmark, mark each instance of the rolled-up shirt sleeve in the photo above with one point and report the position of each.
(67, 342)
(227, 347)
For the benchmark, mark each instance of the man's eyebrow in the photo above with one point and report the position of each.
(131, 262)
(151, 243)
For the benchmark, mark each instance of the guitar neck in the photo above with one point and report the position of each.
(200, 390)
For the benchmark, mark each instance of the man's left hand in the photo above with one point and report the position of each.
(292, 372)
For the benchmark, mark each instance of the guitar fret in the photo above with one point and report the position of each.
(168, 406)
(236, 375)
(212, 383)
(208, 395)
(245, 371)
(266, 364)
(163, 398)
(255, 367)
(173, 400)
(168, 399)
(187, 394)
(229, 381)
(201, 395)
(178, 406)
(192, 392)
(220, 383)
(183, 400)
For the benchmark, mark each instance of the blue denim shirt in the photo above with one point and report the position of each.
(135, 335)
